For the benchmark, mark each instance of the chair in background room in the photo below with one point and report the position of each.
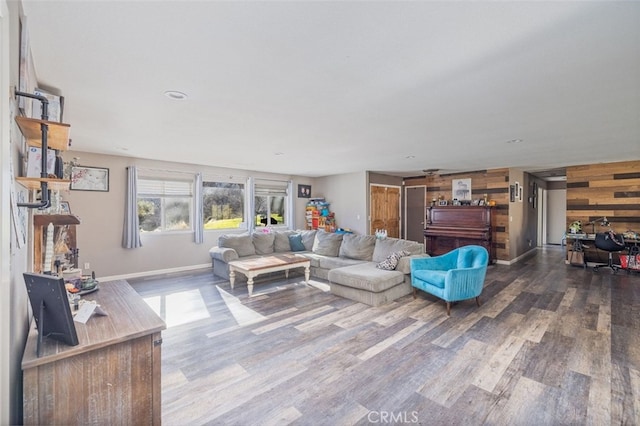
(611, 243)
(454, 276)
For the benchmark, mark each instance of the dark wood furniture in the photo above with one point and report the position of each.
(113, 375)
(450, 227)
(62, 223)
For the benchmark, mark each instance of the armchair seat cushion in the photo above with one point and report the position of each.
(435, 278)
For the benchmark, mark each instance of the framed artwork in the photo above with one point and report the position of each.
(64, 207)
(461, 189)
(84, 178)
(304, 191)
(512, 193)
(442, 202)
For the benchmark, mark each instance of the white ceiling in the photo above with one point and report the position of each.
(321, 88)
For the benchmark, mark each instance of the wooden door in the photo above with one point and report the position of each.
(385, 209)
(415, 213)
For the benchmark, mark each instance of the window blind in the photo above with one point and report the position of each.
(164, 188)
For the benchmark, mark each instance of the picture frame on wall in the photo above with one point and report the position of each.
(85, 178)
(512, 193)
(461, 189)
(304, 191)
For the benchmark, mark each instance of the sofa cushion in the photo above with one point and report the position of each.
(390, 263)
(281, 241)
(308, 238)
(241, 243)
(263, 242)
(366, 276)
(327, 243)
(385, 247)
(357, 246)
(330, 262)
(295, 242)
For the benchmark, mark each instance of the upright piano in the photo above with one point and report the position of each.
(450, 227)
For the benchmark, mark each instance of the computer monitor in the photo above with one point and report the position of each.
(51, 308)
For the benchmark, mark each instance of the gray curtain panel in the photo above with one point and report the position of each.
(198, 223)
(131, 231)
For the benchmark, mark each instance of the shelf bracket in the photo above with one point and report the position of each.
(44, 129)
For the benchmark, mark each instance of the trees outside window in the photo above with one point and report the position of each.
(222, 205)
(164, 205)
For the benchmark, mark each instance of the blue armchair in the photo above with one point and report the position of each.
(457, 275)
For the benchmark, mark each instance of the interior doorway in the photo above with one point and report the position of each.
(414, 212)
(385, 209)
(556, 216)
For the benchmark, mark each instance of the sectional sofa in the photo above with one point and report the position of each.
(358, 267)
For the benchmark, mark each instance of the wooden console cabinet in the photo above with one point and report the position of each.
(111, 377)
(450, 227)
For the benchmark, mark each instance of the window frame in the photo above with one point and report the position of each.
(164, 196)
(243, 224)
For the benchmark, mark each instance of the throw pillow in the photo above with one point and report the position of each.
(357, 246)
(295, 242)
(281, 241)
(263, 242)
(390, 263)
(327, 243)
(241, 243)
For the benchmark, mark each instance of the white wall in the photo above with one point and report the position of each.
(13, 259)
(347, 194)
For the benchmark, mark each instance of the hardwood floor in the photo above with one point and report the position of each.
(551, 344)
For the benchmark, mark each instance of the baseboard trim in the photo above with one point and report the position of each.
(155, 272)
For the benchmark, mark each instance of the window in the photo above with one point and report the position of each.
(164, 205)
(222, 205)
(270, 203)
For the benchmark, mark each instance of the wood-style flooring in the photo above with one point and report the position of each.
(552, 344)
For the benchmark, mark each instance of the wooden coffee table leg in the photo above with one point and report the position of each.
(307, 269)
(250, 283)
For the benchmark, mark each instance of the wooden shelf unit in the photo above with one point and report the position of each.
(53, 184)
(40, 223)
(57, 134)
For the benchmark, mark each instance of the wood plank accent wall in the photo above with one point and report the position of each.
(494, 183)
(610, 189)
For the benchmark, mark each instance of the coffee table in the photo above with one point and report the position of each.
(251, 268)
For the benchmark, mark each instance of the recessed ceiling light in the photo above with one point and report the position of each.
(515, 141)
(175, 95)
(409, 157)
(278, 153)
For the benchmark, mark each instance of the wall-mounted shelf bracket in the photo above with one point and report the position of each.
(44, 129)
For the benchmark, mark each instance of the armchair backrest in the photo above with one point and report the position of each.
(472, 257)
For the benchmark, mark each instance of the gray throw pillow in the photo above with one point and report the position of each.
(357, 246)
(327, 243)
(263, 242)
(281, 241)
(241, 243)
(388, 246)
(308, 238)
